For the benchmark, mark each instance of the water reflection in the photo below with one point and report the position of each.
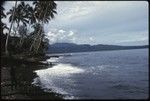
(17, 78)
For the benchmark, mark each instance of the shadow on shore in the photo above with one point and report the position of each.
(17, 78)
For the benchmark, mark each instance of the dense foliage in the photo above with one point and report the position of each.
(26, 33)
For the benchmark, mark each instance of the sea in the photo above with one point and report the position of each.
(117, 74)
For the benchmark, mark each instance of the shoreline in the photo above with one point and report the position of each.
(19, 85)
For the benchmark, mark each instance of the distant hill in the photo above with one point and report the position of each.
(71, 47)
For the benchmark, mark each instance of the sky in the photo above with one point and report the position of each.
(98, 22)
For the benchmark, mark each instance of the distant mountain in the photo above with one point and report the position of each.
(64, 45)
(71, 47)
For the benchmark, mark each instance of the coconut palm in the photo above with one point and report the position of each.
(2, 12)
(31, 15)
(20, 14)
(3, 25)
(44, 11)
(6, 43)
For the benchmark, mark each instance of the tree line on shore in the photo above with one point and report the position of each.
(26, 35)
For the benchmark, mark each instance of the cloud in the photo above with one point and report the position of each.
(71, 33)
(91, 39)
(96, 22)
(61, 31)
(72, 10)
(60, 35)
(108, 21)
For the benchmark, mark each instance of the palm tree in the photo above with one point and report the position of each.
(2, 12)
(21, 15)
(44, 11)
(6, 43)
(31, 15)
(38, 30)
(3, 25)
(23, 34)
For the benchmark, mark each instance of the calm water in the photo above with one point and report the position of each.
(119, 74)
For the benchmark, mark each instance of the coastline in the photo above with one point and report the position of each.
(17, 83)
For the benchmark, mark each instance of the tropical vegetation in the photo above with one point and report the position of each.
(26, 35)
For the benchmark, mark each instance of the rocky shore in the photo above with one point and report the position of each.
(16, 79)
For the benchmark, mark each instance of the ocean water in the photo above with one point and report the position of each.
(121, 74)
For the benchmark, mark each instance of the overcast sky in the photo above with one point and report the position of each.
(99, 22)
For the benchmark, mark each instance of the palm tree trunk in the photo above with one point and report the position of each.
(17, 27)
(39, 44)
(35, 38)
(6, 44)
(41, 33)
(40, 37)
(15, 31)
(31, 47)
